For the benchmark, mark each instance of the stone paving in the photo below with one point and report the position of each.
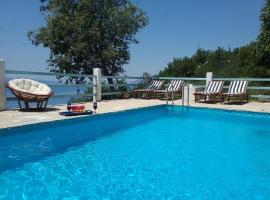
(11, 118)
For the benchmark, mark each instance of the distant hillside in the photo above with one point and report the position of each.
(252, 60)
(240, 62)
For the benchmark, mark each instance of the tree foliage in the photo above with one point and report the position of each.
(240, 62)
(84, 34)
(263, 41)
(251, 60)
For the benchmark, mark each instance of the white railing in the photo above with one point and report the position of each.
(90, 84)
(98, 82)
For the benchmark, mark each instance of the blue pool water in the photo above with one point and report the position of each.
(154, 153)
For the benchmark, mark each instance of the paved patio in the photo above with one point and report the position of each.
(11, 118)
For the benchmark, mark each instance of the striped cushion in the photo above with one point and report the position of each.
(155, 85)
(175, 85)
(238, 87)
(214, 87)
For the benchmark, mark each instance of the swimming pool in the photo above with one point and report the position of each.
(153, 153)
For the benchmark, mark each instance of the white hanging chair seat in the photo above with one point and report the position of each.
(29, 90)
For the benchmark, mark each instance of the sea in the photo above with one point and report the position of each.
(59, 88)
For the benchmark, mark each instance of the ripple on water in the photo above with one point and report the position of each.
(188, 160)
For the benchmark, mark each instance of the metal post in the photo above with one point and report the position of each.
(188, 96)
(2, 85)
(183, 95)
(97, 85)
(94, 89)
(167, 96)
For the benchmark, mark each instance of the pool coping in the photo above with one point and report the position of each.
(78, 117)
(2, 130)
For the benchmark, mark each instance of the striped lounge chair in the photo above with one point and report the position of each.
(150, 88)
(174, 86)
(237, 89)
(212, 90)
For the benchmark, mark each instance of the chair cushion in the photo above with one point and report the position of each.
(30, 86)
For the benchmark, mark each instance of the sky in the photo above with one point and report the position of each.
(176, 29)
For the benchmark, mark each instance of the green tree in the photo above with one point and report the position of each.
(263, 40)
(84, 34)
(200, 56)
(245, 64)
(241, 62)
(183, 67)
(251, 60)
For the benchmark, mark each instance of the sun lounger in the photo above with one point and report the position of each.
(237, 89)
(174, 86)
(212, 90)
(149, 89)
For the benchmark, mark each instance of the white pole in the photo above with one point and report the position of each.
(97, 83)
(209, 77)
(2, 85)
(189, 90)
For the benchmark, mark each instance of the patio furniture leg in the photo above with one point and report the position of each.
(26, 103)
(19, 102)
(45, 104)
(221, 98)
(197, 98)
(41, 104)
(145, 95)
